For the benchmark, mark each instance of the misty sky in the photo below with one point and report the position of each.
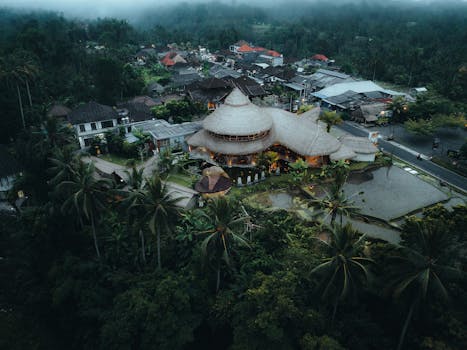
(121, 8)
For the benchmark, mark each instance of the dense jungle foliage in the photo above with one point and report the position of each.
(88, 265)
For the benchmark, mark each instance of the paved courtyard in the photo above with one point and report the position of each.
(392, 194)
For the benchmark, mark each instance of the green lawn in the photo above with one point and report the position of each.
(181, 179)
(119, 160)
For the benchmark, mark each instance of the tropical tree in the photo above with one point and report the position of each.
(299, 170)
(166, 160)
(157, 208)
(86, 196)
(132, 203)
(57, 134)
(222, 238)
(422, 127)
(335, 202)
(330, 118)
(63, 161)
(15, 69)
(343, 270)
(267, 159)
(398, 106)
(423, 266)
(135, 178)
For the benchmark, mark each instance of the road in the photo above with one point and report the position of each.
(410, 157)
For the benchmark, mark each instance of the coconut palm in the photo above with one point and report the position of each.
(335, 202)
(422, 269)
(157, 208)
(343, 270)
(220, 242)
(19, 68)
(64, 161)
(133, 205)
(398, 106)
(330, 118)
(86, 196)
(135, 178)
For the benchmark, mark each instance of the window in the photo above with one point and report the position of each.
(87, 142)
(82, 128)
(93, 126)
(107, 124)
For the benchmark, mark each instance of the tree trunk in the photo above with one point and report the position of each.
(406, 326)
(158, 243)
(333, 218)
(20, 100)
(218, 282)
(96, 245)
(29, 93)
(143, 247)
(334, 311)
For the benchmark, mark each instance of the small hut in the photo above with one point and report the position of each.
(215, 182)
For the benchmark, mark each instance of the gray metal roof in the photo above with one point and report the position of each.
(161, 129)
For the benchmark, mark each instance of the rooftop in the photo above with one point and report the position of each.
(91, 112)
(161, 129)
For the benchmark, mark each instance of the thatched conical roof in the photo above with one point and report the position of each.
(237, 117)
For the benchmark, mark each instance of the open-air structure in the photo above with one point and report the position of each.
(237, 132)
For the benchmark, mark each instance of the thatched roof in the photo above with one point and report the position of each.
(342, 153)
(214, 170)
(213, 184)
(203, 139)
(371, 111)
(302, 134)
(358, 144)
(237, 117)
(312, 114)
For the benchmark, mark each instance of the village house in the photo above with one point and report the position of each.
(371, 113)
(93, 120)
(251, 53)
(137, 109)
(210, 92)
(165, 135)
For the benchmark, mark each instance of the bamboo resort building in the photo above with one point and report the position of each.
(238, 131)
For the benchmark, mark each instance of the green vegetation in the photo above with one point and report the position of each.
(89, 265)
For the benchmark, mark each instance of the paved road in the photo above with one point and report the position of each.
(410, 156)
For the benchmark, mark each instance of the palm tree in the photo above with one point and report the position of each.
(422, 269)
(57, 134)
(330, 118)
(19, 68)
(135, 178)
(86, 196)
(63, 164)
(335, 202)
(343, 270)
(157, 207)
(221, 240)
(133, 204)
(398, 106)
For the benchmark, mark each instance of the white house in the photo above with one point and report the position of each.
(93, 119)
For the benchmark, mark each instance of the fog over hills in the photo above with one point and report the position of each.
(132, 10)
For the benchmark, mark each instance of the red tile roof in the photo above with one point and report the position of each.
(273, 53)
(245, 48)
(320, 57)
